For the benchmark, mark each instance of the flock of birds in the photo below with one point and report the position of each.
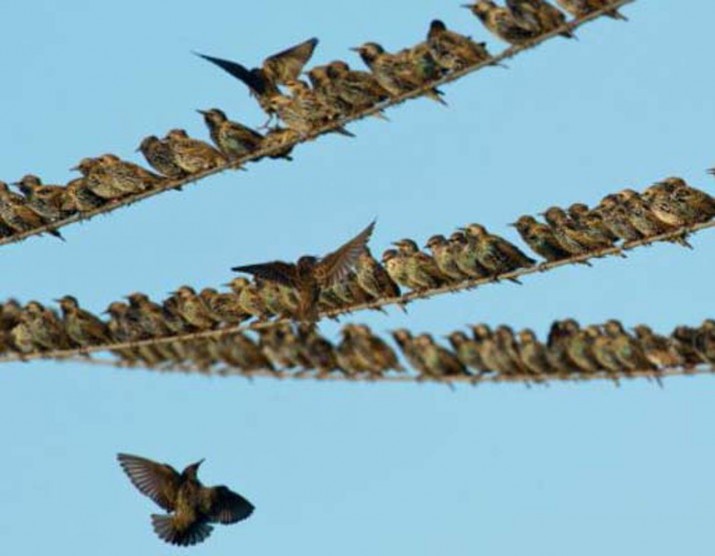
(334, 92)
(349, 277)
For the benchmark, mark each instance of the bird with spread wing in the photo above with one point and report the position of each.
(310, 275)
(192, 506)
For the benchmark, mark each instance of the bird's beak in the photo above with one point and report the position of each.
(462, 229)
(203, 112)
(355, 49)
(75, 168)
(57, 300)
(198, 463)
(512, 224)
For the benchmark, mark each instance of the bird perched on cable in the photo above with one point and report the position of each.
(232, 138)
(501, 22)
(193, 155)
(160, 156)
(540, 238)
(422, 271)
(83, 328)
(360, 90)
(17, 215)
(453, 51)
(396, 73)
(193, 507)
(45, 200)
(580, 8)
(78, 197)
(310, 275)
(539, 16)
(109, 177)
(495, 253)
(276, 70)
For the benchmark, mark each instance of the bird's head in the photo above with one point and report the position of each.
(191, 471)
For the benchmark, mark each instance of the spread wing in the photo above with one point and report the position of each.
(222, 505)
(276, 271)
(253, 78)
(158, 481)
(336, 266)
(287, 64)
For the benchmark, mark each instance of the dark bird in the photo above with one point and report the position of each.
(78, 197)
(396, 73)
(192, 506)
(276, 70)
(16, 214)
(83, 328)
(453, 51)
(616, 218)
(439, 362)
(193, 155)
(495, 253)
(310, 275)
(580, 8)
(445, 254)
(533, 354)
(468, 351)
(373, 278)
(160, 156)
(359, 90)
(540, 238)
(500, 21)
(659, 350)
(422, 270)
(45, 200)
(282, 140)
(466, 257)
(232, 138)
(643, 219)
(539, 16)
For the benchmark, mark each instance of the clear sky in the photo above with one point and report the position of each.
(356, 469)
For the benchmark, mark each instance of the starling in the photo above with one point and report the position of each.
(310, 275)
(16, 214)
(279, 343)
(604, 350)
(283, 140)
(395, 264)
(379, 356)
(45, 200)
(627, 349)
(506, 342)
(643, 219)
(223, 307)
(123, 328)
(79, 198)
(249, 298)
(305, 111)
(192, 506)
(324, 88)
(697, 205)
(616, 218)
(468, 351)
(276, 70)
(397, 74)
(445, 255)
(683, 340)
(659, 350)
(277, 298)
(533, 354)
(438, 361)
(583, 217)
(452, 51)
(320, 352)
(704, 341)
(580, 8)
(109, 177)
(233, 139)
(407, 344)
(500, 22)
(160, 156)
(423, 68)
(579, 348)
(240, 351)
(466, 257)
(541, 238)
(350, 355)
(83, 328)
(422, 271)
(372, 277)
(97, 178)
(192, 155)
(193, 309)
(559, 336)
(495, 358)
(359, 90)
(569, 236)
(538, 16)
(44, 327)
(495, 253)
(149, 320)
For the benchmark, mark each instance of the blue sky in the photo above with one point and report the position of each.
(356, 469)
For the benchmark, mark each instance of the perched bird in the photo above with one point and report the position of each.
(466, 257)
(249, 298)
(626, 348)
(501, 22)
(233, 139)
(44, 327)
(468, 351)
(422, 272)
(567, 233)
(192, 506)
(319, 351)
(193, 155)
(160, 156)
(395, 264)
(643, 219)
(616, 218)
(78, 197)
(533, 354)
(110, 178)
(580, 8)
(359, 90)
(17, 215)
(395, 73)
(224, 308)
(240, 351)
(438, 361)
(453, 51)
(374, 352)
(310, 275)
(407, 344)
(372, 277)
(193, 309)
(45, 200)
(541, 238)
(445, 254)
(538, 16)
(491, 350)
(281, 139)
(495, 253)
(83, 328)
(276, 70)
(659, 350)
(324, 88)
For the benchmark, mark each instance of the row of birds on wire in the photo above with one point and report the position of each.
(350, 277)
(570, 352)
(335, 92)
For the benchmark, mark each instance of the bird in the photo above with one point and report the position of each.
(445, 255)
(659, 350)
(110, 177)
(422, 272)
(468, 351)
(533, 354)
(643, 219)
(373, 278)
(540, 238)
(78, 197)
(192, 506)
(233, 139)
(45, 200)
(452, 51)
(495, 253)
(282, 140)
(539, 16)
(275, 70)
(465, 257)
(439, 362)
(395, 73)
(360, 90)
(83, 328)
(16, 214)
(193, 155)
(310, 275)
(160, 156)
(501, 22)
(580, 8)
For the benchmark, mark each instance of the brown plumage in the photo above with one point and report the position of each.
(310, 274)
(193, 155)
(232, 138)
(192, 506)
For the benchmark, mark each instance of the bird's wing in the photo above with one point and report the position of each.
(158, 481)
(335, 266)
(222, 505)
(275, 271)
(287, 64)
(253, 78)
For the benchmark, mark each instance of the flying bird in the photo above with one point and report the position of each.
(310, 275)
(192, 506)
(275, 70)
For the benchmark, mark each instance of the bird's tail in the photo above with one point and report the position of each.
(165, 528)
